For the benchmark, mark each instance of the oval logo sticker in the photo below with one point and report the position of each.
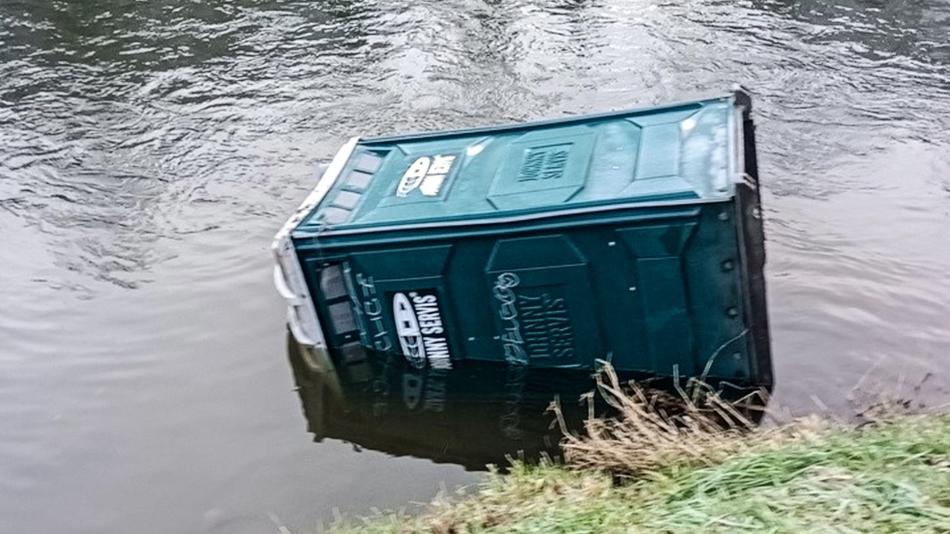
(420, 329)
(407, 328)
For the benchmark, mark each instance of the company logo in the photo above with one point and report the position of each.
(427, 174)
(421, 330)
(544, 163)
(535, 320)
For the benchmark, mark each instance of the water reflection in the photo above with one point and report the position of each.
(475, 414)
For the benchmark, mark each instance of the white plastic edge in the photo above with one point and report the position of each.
(282, 287)
(735, 140)
(288, 273)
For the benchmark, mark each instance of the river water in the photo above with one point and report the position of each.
(150, 149)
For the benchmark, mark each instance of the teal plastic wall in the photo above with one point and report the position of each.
(676, 153)
(631, 237)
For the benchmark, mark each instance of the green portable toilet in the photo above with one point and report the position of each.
(632, 236)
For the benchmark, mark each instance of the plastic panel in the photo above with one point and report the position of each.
(678, 154)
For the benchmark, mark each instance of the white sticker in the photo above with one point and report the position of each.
(425, 174)
(421, 330)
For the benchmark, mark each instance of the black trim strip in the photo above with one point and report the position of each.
(752, 254)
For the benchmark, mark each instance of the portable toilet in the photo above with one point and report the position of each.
(632, 236)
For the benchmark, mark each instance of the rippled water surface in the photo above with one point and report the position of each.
(149, 150)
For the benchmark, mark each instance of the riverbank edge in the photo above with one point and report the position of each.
(886, 476)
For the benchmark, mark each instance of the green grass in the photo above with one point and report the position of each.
(891, 476)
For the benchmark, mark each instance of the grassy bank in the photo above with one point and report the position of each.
(889, 476)
(693, 462)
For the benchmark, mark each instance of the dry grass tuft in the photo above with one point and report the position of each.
(655, 429)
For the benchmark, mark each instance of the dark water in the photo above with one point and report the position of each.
(150, 149)
(478, 413)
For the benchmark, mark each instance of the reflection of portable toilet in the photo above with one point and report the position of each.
(632, 236)
(478, 413)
